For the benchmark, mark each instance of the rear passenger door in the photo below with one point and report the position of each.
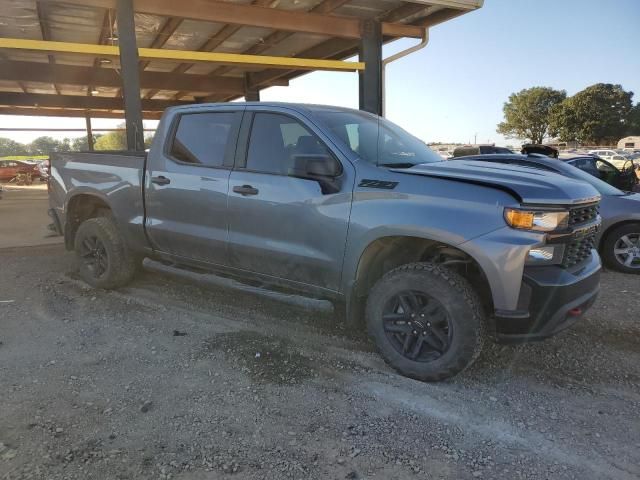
(187, 184)
(280, 225)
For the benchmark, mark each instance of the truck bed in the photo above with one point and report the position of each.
(117, 177)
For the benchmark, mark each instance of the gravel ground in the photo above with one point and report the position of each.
(167, 379)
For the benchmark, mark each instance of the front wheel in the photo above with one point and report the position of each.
(103, 257)
(426, 321)
(621, 249)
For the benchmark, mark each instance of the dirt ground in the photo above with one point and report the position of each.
(168, 379)
(23, 216)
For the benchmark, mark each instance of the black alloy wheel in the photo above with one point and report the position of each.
(426, 320)
(105, 261)
(417, 325)
(94, 255)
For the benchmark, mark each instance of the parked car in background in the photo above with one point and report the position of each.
(479, 150)
(345, 206)
(547, 150)
(605, 154)
(623, 178)
(43, 167)
(616, 157)
(619, 239)
(444, 153)
(620, 161)
(18, 171)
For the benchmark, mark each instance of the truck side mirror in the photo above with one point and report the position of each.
(320, 167)
(317, 165)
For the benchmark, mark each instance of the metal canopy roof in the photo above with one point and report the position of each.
(54, 81)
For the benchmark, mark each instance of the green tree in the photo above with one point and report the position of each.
(634, 120)
(44, 146)
(597, 115)
(148, 139)
(64, 145)
(112, 140)
(527, 113)
(11, 147)
(80, 144)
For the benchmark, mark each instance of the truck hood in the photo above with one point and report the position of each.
(528, 185)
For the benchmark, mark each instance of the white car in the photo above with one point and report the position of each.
(616, 157)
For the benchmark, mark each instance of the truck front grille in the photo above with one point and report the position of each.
(584, 214)
(578, 251)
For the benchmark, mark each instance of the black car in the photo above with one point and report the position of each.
(624, 178)
(479, 150)
(547, 150)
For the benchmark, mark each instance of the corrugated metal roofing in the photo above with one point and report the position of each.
(59, 21)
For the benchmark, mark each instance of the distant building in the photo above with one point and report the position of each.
(629, 142)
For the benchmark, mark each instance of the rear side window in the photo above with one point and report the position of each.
(586, 164)
(275, 142)
(203, 138)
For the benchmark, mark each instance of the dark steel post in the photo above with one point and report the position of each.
(130, 74)
(251, 94)
(87, 120)
(371, 78)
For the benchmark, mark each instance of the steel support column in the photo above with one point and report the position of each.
(87, 119)
(371, 78)
(130, 74)
(251, 93)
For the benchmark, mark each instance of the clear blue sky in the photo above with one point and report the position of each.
(456, 86)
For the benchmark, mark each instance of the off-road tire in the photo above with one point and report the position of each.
(121, 264)
(608, 245)
(456, 297)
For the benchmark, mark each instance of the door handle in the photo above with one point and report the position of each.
(246, 190)
(161, 180)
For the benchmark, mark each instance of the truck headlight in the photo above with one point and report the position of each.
(546, 255)
(538, 220)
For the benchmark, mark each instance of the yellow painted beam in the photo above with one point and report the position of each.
(287, 63)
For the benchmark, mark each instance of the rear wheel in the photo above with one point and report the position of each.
(103, 257)
(621, 249)
(426, 321)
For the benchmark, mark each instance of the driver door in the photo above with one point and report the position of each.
(281, 225)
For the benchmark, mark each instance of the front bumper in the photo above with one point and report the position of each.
(551, 299)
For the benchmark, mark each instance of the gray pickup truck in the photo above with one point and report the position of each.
(341, 205)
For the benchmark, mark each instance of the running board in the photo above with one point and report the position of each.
(208, 279)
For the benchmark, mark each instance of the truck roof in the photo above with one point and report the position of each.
(301, 107)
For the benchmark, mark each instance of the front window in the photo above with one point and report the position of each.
(377, 140)
(277, 140)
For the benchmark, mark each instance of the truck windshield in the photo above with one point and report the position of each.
(377, 140)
